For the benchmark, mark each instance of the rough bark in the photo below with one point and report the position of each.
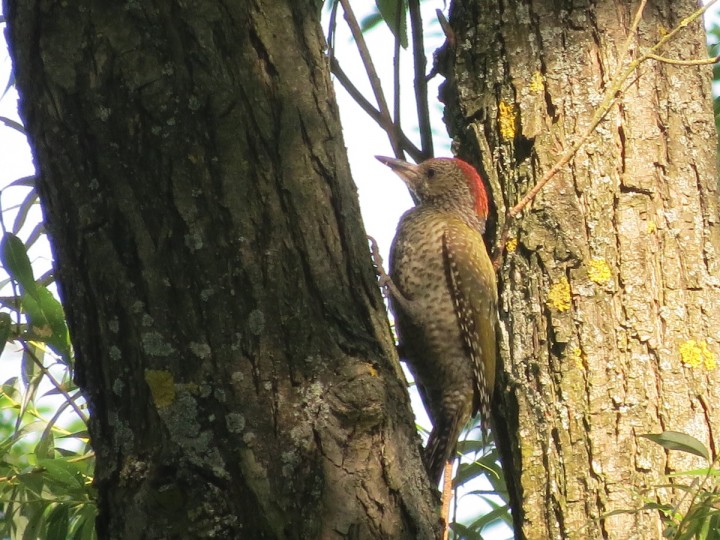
(227, 324)
(631, 226)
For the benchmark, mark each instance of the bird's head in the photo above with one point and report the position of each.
(448, 183)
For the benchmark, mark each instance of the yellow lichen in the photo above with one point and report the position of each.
(579, 357)
(599, 271)
(537, 83)
(511, 245)
(506, 120)
(559, 295)
(162, 387)
(651, 227)
(696, 353)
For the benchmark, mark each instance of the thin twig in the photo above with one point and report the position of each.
(632, 32)
(372, 76)
(396, 68)
(421, 89)
(332, 25)
(682, 24)
(698, 62)
(46, 373)
(406, 144)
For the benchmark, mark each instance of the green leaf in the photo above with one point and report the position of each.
(5, 327)
(47, 321)
(85, 528)
(37, 231)
(371, 21)
(25, 181)
(58, 522)
(9, 122)
(82, 434)
(30, 369)
(31, 376)
(461, 531)
(394, 12)
(31, 199)
(34, 512)
(695, 472)
(11, 78)
(63, 472)
(16, 262)
(45, 313)
(45, 447)
(498, 513)
(675, 440)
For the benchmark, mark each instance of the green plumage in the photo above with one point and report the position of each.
(445, 299)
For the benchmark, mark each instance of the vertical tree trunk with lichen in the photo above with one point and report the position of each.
(610, 285)
(228, 328)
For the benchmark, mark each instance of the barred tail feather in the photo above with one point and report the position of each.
(441, 447)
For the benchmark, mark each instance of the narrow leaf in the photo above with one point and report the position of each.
(16, 262)
(5, 328)
(30, 200)
(25, 181)
(371, 21)
(390, 9)
(675, 440)
(9, 122)
(44, 449)
(58, 523)
(62, 472)
(47, 321)
(37, 231)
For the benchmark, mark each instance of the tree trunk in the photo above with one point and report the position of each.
(227, 324)
(610, 285)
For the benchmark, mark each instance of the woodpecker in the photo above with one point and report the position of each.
(443, 296)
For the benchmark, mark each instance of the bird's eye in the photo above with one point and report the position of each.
(430, 173)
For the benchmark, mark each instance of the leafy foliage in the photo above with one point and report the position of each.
(694, 514)
(46, 463)
(479, 485)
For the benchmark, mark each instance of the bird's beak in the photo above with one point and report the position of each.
(407, 171)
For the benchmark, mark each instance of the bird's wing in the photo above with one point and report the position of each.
(471, 278)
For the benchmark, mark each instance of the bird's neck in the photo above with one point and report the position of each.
(463, 210)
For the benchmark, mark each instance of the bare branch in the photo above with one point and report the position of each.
(59, 387)
(332, 25)
(372, 76)
(632, 32)
(421, 90)
(698, 62)
(396, 69)
(406, 144)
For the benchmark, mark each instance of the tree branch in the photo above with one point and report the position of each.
(372, 76)
(396, 69)
(406, 144)
(421, 90)
(698, 62)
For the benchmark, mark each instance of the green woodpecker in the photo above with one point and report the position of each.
(443, 296)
